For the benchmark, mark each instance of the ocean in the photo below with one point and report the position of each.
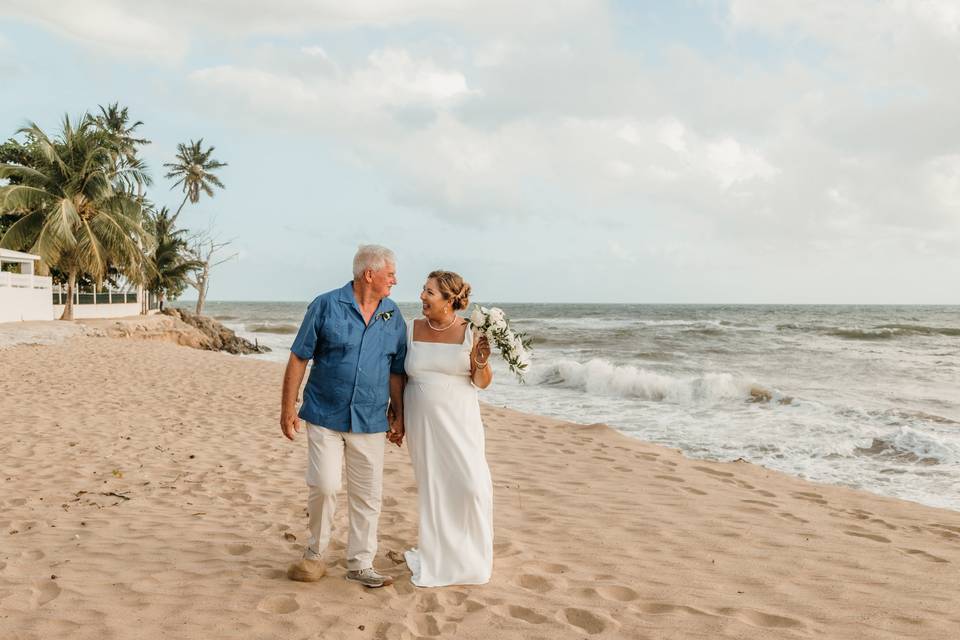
(861, 396)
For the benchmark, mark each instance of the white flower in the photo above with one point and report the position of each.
(478, 317)
(493, 324)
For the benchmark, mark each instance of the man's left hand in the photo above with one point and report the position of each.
(396, 432)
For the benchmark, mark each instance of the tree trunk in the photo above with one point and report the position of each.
(203, 281)
(68, 308)
(174, 218)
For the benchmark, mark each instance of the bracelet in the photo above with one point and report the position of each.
(480, 365)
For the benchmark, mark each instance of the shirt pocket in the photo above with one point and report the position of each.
(334, 335)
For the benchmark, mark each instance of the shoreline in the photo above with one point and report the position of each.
(152, 480)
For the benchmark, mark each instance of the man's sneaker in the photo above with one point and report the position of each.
(306, 570)
(370, 578)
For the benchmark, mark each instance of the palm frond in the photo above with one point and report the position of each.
(18, 198)
(22, 234)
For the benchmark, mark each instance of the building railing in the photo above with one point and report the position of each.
(99, 297)
(25, 280)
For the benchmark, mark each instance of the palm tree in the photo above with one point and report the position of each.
(170, 263)
(114, 121)
(70, 211)
(194, 170)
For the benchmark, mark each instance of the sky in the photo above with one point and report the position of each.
(691, 151)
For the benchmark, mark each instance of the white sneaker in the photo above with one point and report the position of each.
(370, 578)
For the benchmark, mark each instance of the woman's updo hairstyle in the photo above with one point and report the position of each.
(453, 288)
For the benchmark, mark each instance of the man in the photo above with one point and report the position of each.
(356, 338)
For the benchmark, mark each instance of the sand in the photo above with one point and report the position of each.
(146, 492)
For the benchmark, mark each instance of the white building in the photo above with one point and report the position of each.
(24, 295)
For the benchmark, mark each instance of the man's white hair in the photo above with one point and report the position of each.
(371, 256)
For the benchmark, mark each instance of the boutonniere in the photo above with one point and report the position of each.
(384, 315)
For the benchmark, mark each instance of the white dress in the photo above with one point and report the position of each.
(445, 438)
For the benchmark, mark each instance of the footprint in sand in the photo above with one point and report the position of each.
(917, 553)
(424, 625)
(884, 523)
(810, 497)
(278, 604)
(786, 515)
(585, 620)
(390, 502)
(617, 592)
(661, 608)
(714, 472)
(472, 606)
(947, 527)
(760, 503)
(239, 549)
(671, 478)
(43, 592)
(868, 536)
(536, 583)
(236, 496)
(274, 574)
(429, 603)
(761, 619)
(453, 598)
(527, 615)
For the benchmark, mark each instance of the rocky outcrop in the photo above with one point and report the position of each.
(173, 325)
(216, 336)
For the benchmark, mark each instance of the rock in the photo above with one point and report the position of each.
(218, 337)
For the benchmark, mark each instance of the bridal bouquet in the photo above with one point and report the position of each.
(514, 347)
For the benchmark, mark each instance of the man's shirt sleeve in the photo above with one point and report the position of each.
(397, 363)
(305, 345)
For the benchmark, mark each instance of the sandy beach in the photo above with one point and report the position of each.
(147, 493)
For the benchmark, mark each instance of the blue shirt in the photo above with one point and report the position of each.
(349, 384)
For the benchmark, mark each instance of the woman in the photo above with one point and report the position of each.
(445, 366)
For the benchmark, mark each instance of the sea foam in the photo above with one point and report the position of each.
(601, 377)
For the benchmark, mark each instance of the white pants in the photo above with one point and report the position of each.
(364, 457)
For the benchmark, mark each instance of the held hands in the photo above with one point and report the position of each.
(395, 421)
(397, 430)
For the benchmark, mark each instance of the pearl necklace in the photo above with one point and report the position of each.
(430, 324)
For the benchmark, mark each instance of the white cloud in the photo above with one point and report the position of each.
(393, 77)
(104, 25)
(841, 138)
(941, 177)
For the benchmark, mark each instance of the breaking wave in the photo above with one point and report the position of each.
(913, 446)
(879, 332)
(600, 377)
